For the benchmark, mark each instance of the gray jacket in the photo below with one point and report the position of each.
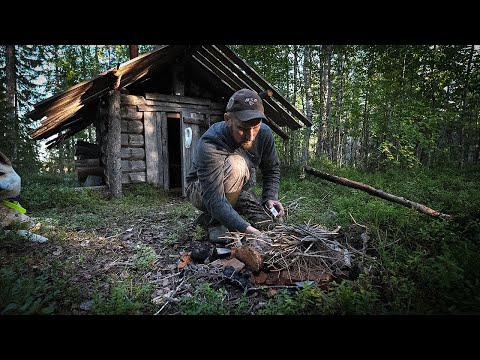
(212, 149)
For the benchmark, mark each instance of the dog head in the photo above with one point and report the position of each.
(10, 182)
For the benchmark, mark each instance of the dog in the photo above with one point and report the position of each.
(10, 187)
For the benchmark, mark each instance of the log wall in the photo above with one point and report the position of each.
(134, 168)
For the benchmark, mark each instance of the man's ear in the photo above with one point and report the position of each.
(227, 118)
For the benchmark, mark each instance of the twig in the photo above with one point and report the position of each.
(272, 287)
(170, 297)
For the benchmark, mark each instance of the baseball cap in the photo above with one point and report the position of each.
(246, 104)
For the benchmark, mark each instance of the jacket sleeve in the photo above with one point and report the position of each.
(211, 175)
(270, 166)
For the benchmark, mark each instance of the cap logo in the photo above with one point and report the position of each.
(230, 103)
(251, 101)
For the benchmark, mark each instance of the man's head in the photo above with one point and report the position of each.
(244, 114)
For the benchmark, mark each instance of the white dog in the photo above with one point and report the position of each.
(10, 186)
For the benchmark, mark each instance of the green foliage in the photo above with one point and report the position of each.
(126, 298)
(54, 198)
(345, 298)
(25, 294)
(423, 265)
(199, 233)
(342, 298)
(205, 301)
(208, 301)
(144, 258)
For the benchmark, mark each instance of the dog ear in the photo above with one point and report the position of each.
(4, 160)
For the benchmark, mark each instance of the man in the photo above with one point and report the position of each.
(223, 171)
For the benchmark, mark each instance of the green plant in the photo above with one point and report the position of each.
(126, 298)
(26, 294)
(199, 233)
(144, 258)
(205, 301)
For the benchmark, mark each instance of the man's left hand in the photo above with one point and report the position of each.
(277, 205)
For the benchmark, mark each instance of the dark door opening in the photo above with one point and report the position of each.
(174, 151)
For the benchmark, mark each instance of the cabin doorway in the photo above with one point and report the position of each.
(174, 142)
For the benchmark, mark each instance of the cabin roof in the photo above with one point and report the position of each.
(216, 67)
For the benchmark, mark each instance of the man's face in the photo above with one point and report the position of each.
(243, 132)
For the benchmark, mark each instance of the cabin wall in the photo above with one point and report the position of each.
(132, 150)
(134, 168)
(146, 137)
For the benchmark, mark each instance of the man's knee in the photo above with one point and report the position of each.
(236, 173)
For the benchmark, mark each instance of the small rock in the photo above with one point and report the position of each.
(201, 252)
(86, 305)
(235, 263)
(222, 252)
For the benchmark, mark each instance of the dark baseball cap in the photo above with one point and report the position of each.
(246, 104)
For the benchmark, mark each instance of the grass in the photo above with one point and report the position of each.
(422, 265)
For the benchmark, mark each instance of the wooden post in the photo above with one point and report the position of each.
(114, 165)
(133, 51)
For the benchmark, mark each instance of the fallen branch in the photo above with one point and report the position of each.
(376, 192)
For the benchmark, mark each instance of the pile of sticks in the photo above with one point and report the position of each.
(304, 248)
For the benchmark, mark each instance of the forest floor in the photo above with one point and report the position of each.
(134, 264)
(124, 260)
(130, 255)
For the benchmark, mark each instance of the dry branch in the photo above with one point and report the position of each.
(376, 192)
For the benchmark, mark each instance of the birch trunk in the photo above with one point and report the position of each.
(308, 102)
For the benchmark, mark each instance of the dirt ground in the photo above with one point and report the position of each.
(90, 264)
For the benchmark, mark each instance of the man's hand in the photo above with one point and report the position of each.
(277, 205)
(251, 230)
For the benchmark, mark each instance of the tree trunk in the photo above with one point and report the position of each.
(365, 132)
(114, 165)
(464, 144)
(376, 192)
(337, 154)
(328, 107)
(11, 95)
(308, 102)
(293, 144)
(320, 133)
(133, 51)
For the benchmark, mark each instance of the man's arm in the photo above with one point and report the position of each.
(270, 166)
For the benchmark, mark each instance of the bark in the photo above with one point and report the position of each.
(337, 154)
(308, 102)
(328, 103)
(293, 147)
(464, 144)
(320, 133)
(133, 51)
(114, 165)
(376, 192)
(11, 95)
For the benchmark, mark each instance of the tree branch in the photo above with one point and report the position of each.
(376, 192)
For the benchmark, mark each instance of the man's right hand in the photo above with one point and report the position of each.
(251, 230)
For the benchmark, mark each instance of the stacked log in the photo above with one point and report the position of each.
(133, 142)
(88, 160)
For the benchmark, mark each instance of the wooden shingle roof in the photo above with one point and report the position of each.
(74, 109)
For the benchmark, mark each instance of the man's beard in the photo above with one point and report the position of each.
(246, 145)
